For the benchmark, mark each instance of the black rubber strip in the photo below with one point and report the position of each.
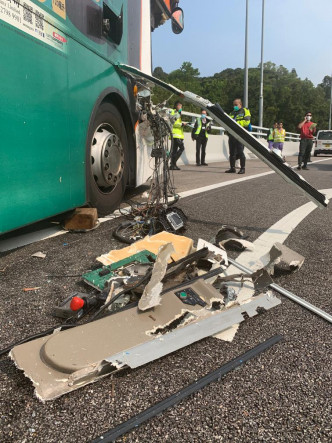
(158, 408)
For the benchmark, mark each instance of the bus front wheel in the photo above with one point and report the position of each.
(107, 160)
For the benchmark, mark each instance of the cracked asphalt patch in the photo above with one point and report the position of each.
(284, 395)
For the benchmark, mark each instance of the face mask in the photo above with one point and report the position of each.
(236, 108)
(203, 115)
(308, 118)
(180, 110)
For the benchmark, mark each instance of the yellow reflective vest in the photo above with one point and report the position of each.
(177, 130)
(279, 135)
(199, 127)
(242, 117)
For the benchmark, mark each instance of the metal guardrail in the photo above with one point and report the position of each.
(259, 131)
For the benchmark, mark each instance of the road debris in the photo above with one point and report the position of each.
(284, 258)
(31, 289)
(158, 408)
(237, 243)
(82, 220)
(183, 301)
(151, 295)
(182, 247)
(290, 295)
(39, 255)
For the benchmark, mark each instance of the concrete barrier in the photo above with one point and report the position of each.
(217, 149)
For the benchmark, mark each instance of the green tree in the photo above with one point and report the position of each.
(286, 96)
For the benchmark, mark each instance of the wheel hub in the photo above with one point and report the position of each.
(107, 157)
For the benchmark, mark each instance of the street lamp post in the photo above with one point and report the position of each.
(330, 103)
(261, 93)
(245, 93)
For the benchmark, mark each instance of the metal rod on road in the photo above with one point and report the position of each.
(133, 423)
(245, 92)
(261, 93)
(288, 294)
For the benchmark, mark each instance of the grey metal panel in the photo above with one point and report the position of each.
(181, 337)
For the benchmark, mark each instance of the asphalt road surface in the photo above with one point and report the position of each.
(284, 395)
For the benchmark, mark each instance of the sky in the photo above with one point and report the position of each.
(297, 35)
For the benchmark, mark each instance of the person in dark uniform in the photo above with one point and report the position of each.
(200, 133)
(236, 149)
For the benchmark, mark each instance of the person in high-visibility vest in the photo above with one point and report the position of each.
(200, 133)
(178, 135)
(270, 137)
(236, 149)
(279, 135)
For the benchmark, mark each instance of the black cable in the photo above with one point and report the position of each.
(113, 299)
(184, 393)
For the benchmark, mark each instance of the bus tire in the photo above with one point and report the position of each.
(107, 162)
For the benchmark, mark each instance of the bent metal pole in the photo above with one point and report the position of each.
(288, 294)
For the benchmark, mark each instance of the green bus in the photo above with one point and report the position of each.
(68, 117)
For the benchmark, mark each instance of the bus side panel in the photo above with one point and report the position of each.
(34, 155)
(89, 75)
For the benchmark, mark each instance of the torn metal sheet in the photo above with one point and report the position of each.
(281, 255)
(212, 248)
(151, 296)
(67, 360)
(261, 279)
(245, 137)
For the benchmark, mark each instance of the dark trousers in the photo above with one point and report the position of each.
(236, 152)
(305, 150)
(178, 148)
(200, 150)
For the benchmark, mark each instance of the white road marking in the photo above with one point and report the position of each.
(235, 181)
(50, 232)
(276, 233)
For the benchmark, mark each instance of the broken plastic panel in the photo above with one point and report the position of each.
(69, 359)
(151, 296)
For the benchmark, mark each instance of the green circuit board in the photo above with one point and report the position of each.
(99, 277)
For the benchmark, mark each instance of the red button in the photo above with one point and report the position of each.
(76, 303)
